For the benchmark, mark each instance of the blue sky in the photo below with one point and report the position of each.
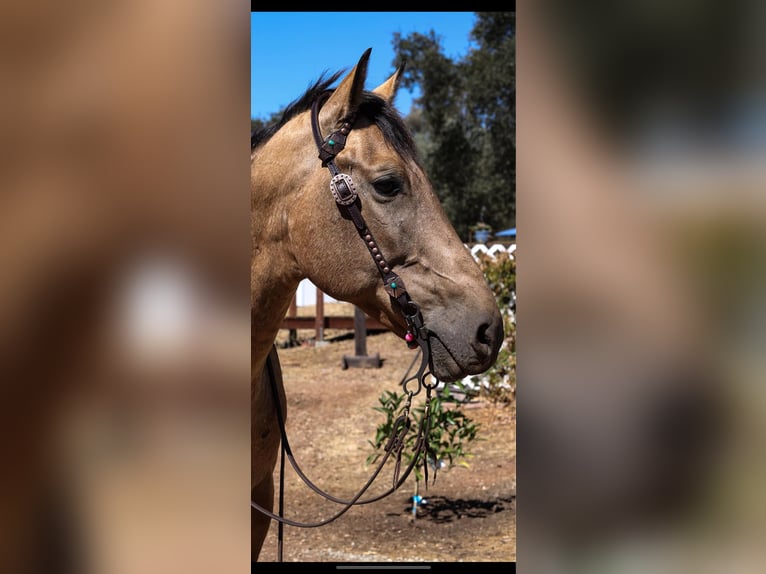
(289, 50)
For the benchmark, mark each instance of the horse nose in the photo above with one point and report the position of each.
(489, 337)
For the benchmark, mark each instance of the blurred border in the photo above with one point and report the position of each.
(124, 305)
(641, 154)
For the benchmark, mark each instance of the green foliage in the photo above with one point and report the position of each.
(464, 122)
(451, 430)
(499, 383)
(500, 273)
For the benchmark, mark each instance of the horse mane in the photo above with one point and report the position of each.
(373, 107)
(294, 108)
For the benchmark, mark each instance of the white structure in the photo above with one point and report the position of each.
(307, 294)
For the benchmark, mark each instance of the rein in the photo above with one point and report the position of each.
(343, 190)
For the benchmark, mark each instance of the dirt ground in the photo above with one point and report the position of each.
(469, 514)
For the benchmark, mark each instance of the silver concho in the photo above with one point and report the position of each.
(341, 196)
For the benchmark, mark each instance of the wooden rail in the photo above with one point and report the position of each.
(320, 321)
(327, 323)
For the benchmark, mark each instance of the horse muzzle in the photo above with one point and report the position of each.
(465, 347)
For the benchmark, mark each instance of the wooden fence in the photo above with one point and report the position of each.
(319, 322)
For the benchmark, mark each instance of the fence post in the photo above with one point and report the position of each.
(293, 312)
(361, 358)
(319, 319)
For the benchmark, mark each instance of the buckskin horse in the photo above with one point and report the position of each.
(370, 232)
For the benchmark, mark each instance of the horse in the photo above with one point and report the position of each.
(300, 230)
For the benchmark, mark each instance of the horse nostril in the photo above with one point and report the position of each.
(489, 336)
(484, 336)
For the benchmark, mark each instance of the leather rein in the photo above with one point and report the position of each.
(344, 191)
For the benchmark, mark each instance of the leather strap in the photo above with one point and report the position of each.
(348, 203)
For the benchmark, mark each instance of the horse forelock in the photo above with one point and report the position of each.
(390, 123)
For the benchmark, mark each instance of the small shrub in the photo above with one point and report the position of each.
(451, 430)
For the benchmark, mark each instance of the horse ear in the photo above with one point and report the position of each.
(387, 90)
(347, 96)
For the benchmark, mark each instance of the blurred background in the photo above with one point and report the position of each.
(641, 259)
(124, 315)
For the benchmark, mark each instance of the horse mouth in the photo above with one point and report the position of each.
(447, 367)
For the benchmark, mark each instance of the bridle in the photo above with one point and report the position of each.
(343, 190)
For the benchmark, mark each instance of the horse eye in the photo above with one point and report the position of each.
(388, 187)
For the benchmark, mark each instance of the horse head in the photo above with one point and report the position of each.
(305, 233)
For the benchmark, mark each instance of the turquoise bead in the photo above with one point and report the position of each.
(331, 142)
(393, 285)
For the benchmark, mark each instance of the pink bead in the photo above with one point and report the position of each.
(409, 337)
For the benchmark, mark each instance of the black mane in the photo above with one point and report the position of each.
(294, 108)
(373, 107)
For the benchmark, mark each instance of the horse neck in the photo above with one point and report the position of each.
(275, 275)
(273, 283)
